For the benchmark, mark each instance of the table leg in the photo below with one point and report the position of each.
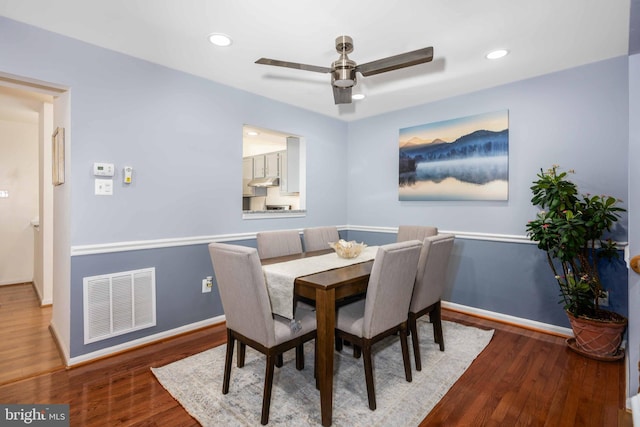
(326, 322)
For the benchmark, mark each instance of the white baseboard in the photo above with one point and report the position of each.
(499, 317)
(505, 318)
(43, 302)
(19, 281)
(142, 341)
(61, 347)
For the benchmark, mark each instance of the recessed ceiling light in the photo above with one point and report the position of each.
(220, 39)
(497, 54)
(252, 133)
(357, 96)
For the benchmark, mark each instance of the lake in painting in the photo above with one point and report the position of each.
(460, 159)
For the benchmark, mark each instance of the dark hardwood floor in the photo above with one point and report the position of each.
(527, 378)
(26, 346)
(523, 378)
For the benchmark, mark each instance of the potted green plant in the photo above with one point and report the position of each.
(570, 228)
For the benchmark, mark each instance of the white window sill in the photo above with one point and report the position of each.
(273, 214)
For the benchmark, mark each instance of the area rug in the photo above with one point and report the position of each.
(196, 383)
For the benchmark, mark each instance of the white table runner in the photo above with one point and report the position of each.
(280, 277)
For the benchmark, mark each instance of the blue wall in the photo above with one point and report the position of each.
(576, 118)
(178, 302)
(511, 278)
(182, 135)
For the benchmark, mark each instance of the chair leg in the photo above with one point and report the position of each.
(227, 362)
(242, 349)
(300, 357)
(413, 328)
(268, 382)
(315, 363)
(432, 320)
(437, 325)
(279, 361)
(338, 344)
(368, 373)
(357, 351)
(405, 352)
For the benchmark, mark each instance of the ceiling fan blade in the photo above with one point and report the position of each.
(277, 63)
(341, 95)
(396, 62)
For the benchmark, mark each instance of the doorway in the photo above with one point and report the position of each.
(27, 206)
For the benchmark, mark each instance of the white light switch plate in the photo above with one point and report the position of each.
(104, 187)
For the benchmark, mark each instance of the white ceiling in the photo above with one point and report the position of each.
(542, 36)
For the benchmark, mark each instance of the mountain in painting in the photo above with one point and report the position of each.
(417, 141)
(480, 143)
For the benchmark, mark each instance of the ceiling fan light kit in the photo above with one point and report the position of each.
(343, 70)
(344, 75)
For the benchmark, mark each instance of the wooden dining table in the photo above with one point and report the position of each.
(325, 288)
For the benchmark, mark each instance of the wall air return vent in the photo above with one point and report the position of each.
(117, 303)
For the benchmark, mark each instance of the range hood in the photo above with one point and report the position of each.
(270, 181)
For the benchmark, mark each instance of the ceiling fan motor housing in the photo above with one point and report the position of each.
(343, 72)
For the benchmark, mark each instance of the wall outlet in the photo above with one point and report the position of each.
(207, 284)
(603, 299)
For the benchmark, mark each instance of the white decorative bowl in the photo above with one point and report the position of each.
(346, 249)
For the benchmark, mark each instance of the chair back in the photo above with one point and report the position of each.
(432, 271)
(278, 243)
(390, 286)
(245, 300)
(415, 232)
(318, 238)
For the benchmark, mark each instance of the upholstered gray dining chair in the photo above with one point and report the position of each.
(415, 232)
(278, 243)
(430, 283)
(248, 315)
(384, 310)
(318, 238)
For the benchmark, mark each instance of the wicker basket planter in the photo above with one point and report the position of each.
(598, 339)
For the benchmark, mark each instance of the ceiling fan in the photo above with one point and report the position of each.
(343, 70)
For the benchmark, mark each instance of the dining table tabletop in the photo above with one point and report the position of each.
(326, 288)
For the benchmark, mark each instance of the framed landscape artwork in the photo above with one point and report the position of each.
(460, 159)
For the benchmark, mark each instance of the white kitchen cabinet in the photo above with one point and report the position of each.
(292, 167)
(265, 165)
(259, 167)
(247, 176)
(271, 164)
(286, 187)
(282, 159)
